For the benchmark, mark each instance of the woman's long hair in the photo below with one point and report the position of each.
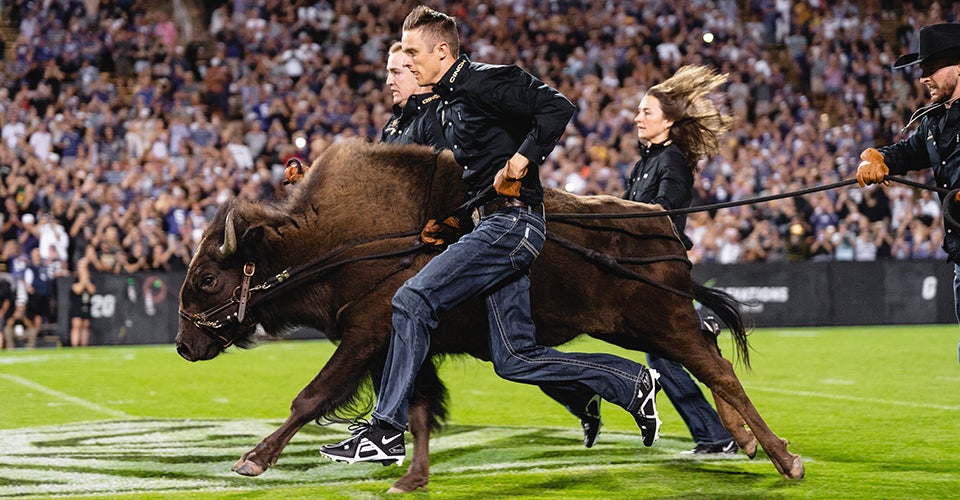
(692, 100)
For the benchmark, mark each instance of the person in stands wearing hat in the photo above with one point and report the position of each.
(936, 141)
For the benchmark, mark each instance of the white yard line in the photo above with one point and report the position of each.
(65, 397)
(911, 404)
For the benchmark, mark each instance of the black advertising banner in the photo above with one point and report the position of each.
(776, 294)
(142, 308)
(837, 293)
(856, 293)
(136, 309)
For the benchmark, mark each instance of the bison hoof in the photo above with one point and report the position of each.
(750, 448)
(247, 468)
(796, 470)
(408, 484)
(394, 490)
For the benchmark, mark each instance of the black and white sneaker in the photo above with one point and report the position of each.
(711, 326)
(645, 410)
(369, 443)
(726, 448)
(590, 421)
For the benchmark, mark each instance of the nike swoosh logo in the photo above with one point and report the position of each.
(384, 439)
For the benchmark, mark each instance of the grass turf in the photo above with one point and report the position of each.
(872, 410)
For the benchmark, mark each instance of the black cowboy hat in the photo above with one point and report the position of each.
(935, 40)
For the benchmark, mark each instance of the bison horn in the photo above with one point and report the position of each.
(229, 246)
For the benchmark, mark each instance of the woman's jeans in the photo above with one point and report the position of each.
(956, 297)
(493, 262)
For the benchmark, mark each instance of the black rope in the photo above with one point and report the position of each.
(737, 203)
(616, 266)
(910, 183)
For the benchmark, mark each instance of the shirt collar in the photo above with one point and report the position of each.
(646, 151)
(449, 81)
(414, 102)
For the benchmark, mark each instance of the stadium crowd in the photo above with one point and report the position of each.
(120, 138)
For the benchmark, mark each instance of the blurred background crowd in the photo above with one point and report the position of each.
(126, 123)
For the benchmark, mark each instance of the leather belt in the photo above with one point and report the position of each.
(495, 205)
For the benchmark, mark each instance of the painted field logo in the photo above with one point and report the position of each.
(139, 456)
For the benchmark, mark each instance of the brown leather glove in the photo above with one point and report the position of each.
(439, 234)
(508, 179)
(872, 169)
(294, 171)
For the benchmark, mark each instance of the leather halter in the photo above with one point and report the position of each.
(210, 321)
(237, 310)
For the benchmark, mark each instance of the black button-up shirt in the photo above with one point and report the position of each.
(933, 145)
(415, 123)
(489, 112)
(663, 176)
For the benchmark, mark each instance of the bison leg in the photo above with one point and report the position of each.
(418, 474)
(336, 383)
(427, 410)
(734, 423)
(717, 373)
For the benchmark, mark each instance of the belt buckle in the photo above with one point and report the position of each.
(475, 216)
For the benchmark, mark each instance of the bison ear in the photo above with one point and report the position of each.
(251, 238)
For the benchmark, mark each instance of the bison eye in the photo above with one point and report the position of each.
(207, 281)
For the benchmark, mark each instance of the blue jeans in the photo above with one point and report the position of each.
(573, 397)
(492, 262)
(956, 298)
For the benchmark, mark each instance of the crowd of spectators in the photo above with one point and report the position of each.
(120, 137)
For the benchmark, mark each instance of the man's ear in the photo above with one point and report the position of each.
(444, 50)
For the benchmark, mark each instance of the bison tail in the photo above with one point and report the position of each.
(727, 308)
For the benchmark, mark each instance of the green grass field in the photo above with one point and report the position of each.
(874, 412)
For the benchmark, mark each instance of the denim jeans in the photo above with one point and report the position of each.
(573, 397)
(492, 262)
(956, 298)
(684, 393)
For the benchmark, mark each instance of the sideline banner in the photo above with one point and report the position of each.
(135, 309)
(837, 293)
(142, 308)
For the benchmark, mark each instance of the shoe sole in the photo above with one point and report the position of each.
(655, 376)
(350, 461)
(590, 440)
(590, 437)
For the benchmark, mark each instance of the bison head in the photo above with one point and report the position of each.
(210, 314)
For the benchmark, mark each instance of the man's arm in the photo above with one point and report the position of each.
(910, 153)
(520, 93)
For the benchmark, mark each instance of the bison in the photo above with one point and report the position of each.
(333, 252)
